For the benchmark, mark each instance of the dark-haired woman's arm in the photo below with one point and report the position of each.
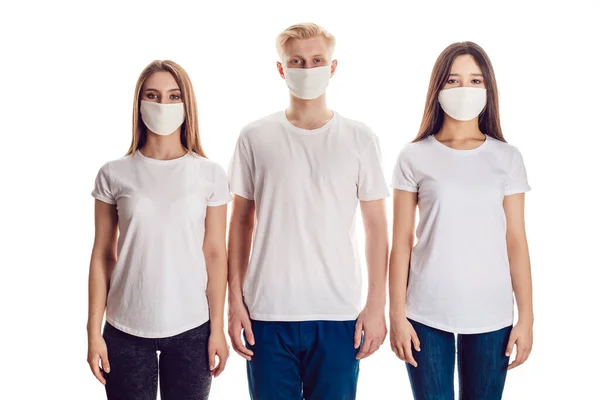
(520, 271)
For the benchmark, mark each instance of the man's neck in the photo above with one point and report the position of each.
(308, 114)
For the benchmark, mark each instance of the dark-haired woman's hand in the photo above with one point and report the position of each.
(522, 336)
(402, 339)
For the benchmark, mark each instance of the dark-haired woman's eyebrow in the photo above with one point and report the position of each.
(477, 74)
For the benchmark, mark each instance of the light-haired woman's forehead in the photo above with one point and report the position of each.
(161, 80)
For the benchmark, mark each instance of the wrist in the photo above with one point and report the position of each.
(397, 313)
(376, 302)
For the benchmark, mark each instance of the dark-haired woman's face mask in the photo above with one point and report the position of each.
(464, 96)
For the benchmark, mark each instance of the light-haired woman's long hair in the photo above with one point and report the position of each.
(190, 136)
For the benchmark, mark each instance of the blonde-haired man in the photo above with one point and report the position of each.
(303, 172)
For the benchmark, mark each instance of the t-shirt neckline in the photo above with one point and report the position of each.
(157, 161)
(460, 151)
(303, 131)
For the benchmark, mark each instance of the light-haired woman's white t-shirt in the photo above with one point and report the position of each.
(158, 286)
(459, 277)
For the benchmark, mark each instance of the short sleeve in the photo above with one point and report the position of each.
(102, 189)
(220, 194)
(371, 180)
(403, 177)
(517, 176)
(241, 171)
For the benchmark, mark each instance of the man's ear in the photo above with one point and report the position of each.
(333, 67)
(280, 69)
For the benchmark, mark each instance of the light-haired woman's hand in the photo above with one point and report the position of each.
(402, 338)
(217, 347)
(97, 353)
(522, 336)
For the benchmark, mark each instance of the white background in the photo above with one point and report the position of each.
(68, 72)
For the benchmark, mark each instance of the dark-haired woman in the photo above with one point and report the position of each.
(471, 253)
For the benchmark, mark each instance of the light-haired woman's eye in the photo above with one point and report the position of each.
(318, 60)
(151, 96)
(175, 97)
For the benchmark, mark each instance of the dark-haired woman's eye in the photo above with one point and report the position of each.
(318, 60)
(452, 81)
(477, 81)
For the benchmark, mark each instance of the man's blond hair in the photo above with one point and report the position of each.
(305, 30)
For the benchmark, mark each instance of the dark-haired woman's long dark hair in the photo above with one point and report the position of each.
(433, 116)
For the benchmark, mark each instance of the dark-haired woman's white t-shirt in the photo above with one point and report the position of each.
(460, 274)
(158, 286)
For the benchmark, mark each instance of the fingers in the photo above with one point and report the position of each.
(223, 356)
(399, 350)
(511, 344)
(248, 332)
(415, 340)
(235, 333)
(358, 334)
(522, 355)
(94, 363)
(212, 353)
(105, 363)
(408, 356)
(365, 348)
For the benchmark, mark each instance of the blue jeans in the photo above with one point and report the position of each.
(482, 364)
(310, 360)
(135, 367)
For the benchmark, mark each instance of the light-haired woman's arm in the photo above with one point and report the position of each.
(520, 271)
(104, 257)
(215, 254)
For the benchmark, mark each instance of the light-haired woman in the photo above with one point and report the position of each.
(159, 263)
(472, 252)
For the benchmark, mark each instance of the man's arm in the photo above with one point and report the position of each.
(372, 319)
(241, 228)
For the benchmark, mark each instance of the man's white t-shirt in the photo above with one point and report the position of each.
(158, 287)
(306, 185)
(459, 277)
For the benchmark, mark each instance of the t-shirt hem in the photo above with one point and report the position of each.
(218, 203)
(406, 188)
(373, 197)
(522, 189)
(155, 335)
(459, 330)
(301, 318)
(243, 194)
(104, 199)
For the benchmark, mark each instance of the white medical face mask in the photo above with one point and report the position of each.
(463, 103)
(162, 119)
(307, 83)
